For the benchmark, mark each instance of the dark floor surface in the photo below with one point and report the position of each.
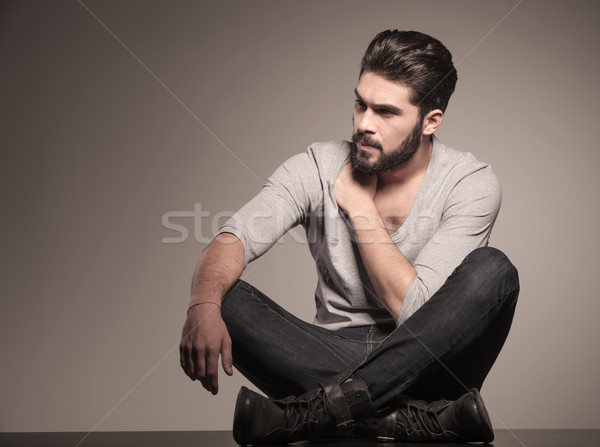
(504, 438)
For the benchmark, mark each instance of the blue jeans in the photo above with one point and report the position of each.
(445, 348)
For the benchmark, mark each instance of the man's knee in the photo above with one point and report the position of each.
(489, 268)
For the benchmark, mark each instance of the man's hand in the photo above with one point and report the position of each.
(204, 334)
(389, 271)
(354, 190)
(204, 337)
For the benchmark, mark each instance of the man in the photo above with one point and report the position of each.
(412, 306)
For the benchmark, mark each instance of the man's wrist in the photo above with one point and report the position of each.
(364, 216)
(364, 209)
(200, 303)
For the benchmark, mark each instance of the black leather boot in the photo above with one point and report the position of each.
(463, 420)
(332, 406)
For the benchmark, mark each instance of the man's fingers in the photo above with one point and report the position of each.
(226, 356)
(199, 365)
(212, 371)
(185, 361)
(200, 349)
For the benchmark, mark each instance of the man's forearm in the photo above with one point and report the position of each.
(389, 271)
(204, 336)
(220, 266)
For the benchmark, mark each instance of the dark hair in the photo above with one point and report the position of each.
(417, 60)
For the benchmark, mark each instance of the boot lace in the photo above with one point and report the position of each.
(419, 422)
(306, 413)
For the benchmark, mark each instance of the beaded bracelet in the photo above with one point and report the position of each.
(203, 302)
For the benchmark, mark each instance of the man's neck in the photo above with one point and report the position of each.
(414, 168)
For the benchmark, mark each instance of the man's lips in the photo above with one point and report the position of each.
(367, 147)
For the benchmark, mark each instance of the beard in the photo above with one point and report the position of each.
(361, 160)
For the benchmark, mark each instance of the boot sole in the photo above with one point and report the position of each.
(487, 433)
(240, 422)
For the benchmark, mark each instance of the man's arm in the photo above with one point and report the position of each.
(466, 223)
(388, 269)
(204, 334)
(285, 200)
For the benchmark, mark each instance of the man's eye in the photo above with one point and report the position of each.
(359, 104)
(386, 113)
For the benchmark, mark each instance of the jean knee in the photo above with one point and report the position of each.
(493, 262)
(491, 268)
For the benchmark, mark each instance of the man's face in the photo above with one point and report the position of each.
(387, 128)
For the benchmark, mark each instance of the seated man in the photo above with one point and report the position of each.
(412, 307)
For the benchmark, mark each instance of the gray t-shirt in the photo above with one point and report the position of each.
(452, 214)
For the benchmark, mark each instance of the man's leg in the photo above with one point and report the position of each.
(451, 361)
(463, 369)
(279, 353)
(473, 308)
(477, 298)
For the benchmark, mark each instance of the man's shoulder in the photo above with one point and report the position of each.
(453, 157)
(327, 157)
(462, 173)
(330, 151)
(320, 163)
(458, 162)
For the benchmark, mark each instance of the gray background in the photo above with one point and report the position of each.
(106, 129)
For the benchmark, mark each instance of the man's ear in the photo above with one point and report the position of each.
(432, 121)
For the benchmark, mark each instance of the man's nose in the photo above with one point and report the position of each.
(365, 122)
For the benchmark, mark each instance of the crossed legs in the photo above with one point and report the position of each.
(445, 348)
